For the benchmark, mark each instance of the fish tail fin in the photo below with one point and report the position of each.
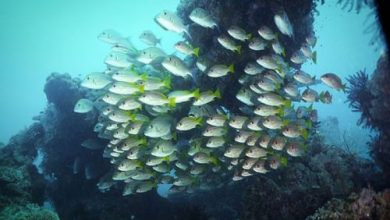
(249, 36)
(131, 116)
(172, 102)
(310, 107)
(217, 93)
(174, 136)
(305, 134)
(196, 94)
(283, 161)
(278, 86)
(166, 159)
(144, 76)
(196, 51)
(238, 49)
(199, 121)
(167, 82)
(142, 88)
(287, 103)
(314, 57)
(159, 41)
(231, 68)
(140, 164)
(214, 160)
(281, 112)
(143, 141)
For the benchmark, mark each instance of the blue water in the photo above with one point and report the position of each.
(43, 36)
(40, 37)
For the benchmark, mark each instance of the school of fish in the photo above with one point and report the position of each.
(160, 135)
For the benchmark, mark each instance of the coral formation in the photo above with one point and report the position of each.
(365, 205)
(371, 98)
(358, 94)
(27, 212)
(20, 182)
(58, 134)
(293, 192)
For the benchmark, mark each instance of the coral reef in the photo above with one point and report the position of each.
(294, 192)
(358, 94)
(20, 183)
(371, 98)
(28, 212)
(302, 187)
(365, 205)
(73, 192)
(298, 189)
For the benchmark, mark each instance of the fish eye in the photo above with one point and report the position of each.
(165, 13)
(144, 52)
(250, 151)
(113, 114)
(88, 78)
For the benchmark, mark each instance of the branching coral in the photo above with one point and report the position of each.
(357, 4)
(360, 96)
(351, 4)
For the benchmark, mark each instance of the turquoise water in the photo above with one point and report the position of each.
(40, 37)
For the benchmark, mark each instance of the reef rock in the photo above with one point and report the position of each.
(365, 205)
(293, 192)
